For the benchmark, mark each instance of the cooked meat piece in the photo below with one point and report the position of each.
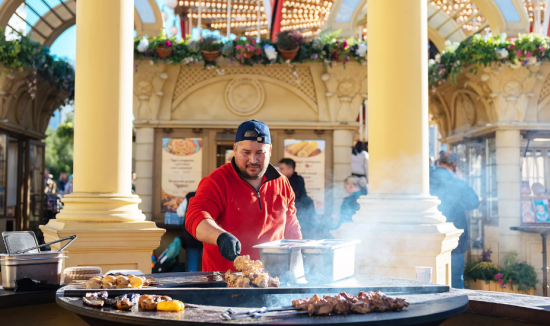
(362, 307)
(94, 302)
(300, 303)
(242, 282)
(350, 297)
(274, 282)
(262, 280)
(125, 302)
(341, 305)
(322, 307)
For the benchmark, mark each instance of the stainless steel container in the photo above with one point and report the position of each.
(283, 258)
(326, 261)
(46, 267)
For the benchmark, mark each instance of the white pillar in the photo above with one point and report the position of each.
(259, 14)
(398, 215)
(537, 27)
(102, 211)
(199, 24)
(342, 141)
(144, 169)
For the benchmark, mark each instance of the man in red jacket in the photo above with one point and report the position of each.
(242, 203)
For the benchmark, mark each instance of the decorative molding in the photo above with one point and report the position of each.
(148, 83)
(196, 74)
(244, 96)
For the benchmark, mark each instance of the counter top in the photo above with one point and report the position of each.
(10, 299)
(206, 300)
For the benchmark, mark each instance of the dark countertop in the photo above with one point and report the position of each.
(425, 308)
(540, 229)
(10, 299)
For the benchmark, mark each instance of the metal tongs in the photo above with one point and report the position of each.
(231, 314)
(71, 238)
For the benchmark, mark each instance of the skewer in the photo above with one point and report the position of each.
(232, 314)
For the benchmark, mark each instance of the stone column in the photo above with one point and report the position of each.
(398, 222)
(144, 169)
(342, 164)
(509, 196)
(102, 211)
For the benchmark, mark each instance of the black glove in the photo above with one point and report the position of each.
(230, 247)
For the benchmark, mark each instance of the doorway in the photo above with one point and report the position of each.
(224, 153)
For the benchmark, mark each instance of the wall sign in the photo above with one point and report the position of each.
(309, 155)
(181, 170)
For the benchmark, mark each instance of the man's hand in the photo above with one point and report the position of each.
(229, 246)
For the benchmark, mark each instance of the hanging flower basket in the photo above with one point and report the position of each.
(288, 54)
(164, 52)
(210, 56)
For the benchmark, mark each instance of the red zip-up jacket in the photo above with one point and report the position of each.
(253, 217)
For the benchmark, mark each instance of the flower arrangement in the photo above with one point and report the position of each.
(288, 44)
(339, 50)
(162, 45)
(210, 47)
(525, 51)
(246, 48)
(23, 52)
(514, 274)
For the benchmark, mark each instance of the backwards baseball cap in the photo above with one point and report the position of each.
(253, 130)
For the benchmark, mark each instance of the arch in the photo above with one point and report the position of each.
(503, 16)
(147, 19)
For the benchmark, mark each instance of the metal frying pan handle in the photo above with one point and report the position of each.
(71, 238)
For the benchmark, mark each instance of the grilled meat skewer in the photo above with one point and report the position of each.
(344, 303)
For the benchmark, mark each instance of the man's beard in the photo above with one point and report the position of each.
(257, 176)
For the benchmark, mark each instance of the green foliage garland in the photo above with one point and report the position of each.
(325, 48)
(525, 51)
(23, 52)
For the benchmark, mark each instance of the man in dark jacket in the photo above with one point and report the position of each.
(305, 208)
(456, 198)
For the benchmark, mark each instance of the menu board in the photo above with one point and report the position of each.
(181, 170)
(309, 155)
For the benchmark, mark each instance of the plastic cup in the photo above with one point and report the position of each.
(423, 274)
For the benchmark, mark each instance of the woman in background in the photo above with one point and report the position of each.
(360, 161)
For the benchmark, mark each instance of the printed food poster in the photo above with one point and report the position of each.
(309, 156)
(541, 210)
(527, 212)
(181, 170)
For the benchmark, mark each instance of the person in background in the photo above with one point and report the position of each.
(193, 247)
(456, 198)
(134, 177)
(360, 161)
(305, 207)
(431, 161)
(51, 187)
(63, 179)
(69, 185)
(353, 186)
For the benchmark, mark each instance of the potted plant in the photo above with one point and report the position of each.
(246, 48)
(288, 44)
(162, 45)
(339, 50)
(210, 47)
(514, 277)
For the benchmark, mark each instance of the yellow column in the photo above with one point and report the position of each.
(112, 231)
(398, 215)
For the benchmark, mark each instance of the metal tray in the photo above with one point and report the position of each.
(19, 240)
(44, 267)
(327, 261)
(283, 258)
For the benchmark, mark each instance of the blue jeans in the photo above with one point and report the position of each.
(457, 271)
(192, 257)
